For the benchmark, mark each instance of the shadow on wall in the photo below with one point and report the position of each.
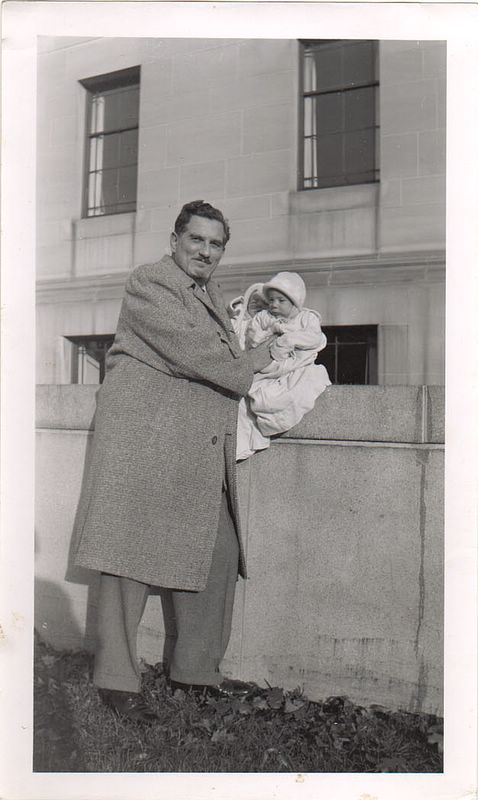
(57, 619)
(54, 617)
(79, 575)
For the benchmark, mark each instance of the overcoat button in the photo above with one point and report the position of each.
(214, 439)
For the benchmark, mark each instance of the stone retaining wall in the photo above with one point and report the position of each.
(343, 518)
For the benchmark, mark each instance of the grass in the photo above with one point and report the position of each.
(272, 731)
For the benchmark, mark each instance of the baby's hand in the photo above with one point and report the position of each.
(277, 327)
(260, 355)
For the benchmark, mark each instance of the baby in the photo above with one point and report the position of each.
(288, 387)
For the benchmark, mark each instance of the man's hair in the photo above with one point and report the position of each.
(198, 208)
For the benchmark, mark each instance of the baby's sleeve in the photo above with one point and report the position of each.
(309, 335)
(257, 330)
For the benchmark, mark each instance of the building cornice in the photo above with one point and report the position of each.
(371, 268)
(426, 266)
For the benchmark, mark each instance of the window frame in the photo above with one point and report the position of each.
(367, 336)
(97, 85)
(303, 43)
(81, 342)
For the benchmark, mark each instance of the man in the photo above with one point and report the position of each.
(159, 502)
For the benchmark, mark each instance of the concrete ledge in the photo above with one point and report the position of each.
(359, 413)
(65, 406)
(436, 413)
(364, 413)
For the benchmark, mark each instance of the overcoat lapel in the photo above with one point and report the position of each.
(217, 300)
(212, 299)
(222, 315)
(204, 297)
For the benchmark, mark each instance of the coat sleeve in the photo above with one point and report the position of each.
(159, 317)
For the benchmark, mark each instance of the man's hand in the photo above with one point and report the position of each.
(260, 355)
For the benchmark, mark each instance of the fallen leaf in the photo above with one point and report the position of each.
(260, 704)
(292, 705)
(275, 698)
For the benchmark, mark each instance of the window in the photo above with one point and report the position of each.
(351, 353)
(111, 156)
(338, 118)
(88, 357)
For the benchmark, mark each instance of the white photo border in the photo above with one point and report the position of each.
(23, 22)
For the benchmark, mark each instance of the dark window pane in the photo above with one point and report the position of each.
(359, 148)
(128, 147)
(329, 110)
(330, 155)
(115, 110)
(109, 187)
(352, 364)
(129, 106)
(127, 184)
(111, 151)
(112, 119)
(359, 63)
(325, 68)
(359, 108)
(327, 358)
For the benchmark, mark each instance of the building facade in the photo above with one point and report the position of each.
(328, 158)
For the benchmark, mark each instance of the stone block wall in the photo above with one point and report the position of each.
(413, 143)
(219, 120)
(343, 520)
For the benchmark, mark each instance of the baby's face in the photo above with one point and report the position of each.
(256, 303)
(279, 304)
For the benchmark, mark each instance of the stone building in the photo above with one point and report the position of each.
(328, 158)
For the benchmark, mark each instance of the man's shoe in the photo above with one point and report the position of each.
(128, 704)
(228, 688)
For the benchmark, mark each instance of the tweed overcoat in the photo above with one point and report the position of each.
(165, 434)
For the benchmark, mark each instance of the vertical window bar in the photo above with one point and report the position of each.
(336, 360)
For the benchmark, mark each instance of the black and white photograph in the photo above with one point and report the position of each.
(247, 316)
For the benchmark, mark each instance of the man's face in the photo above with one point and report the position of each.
(199, 248)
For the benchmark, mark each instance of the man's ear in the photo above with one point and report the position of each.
(173, 241)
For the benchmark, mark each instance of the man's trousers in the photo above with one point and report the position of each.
(202, 620)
